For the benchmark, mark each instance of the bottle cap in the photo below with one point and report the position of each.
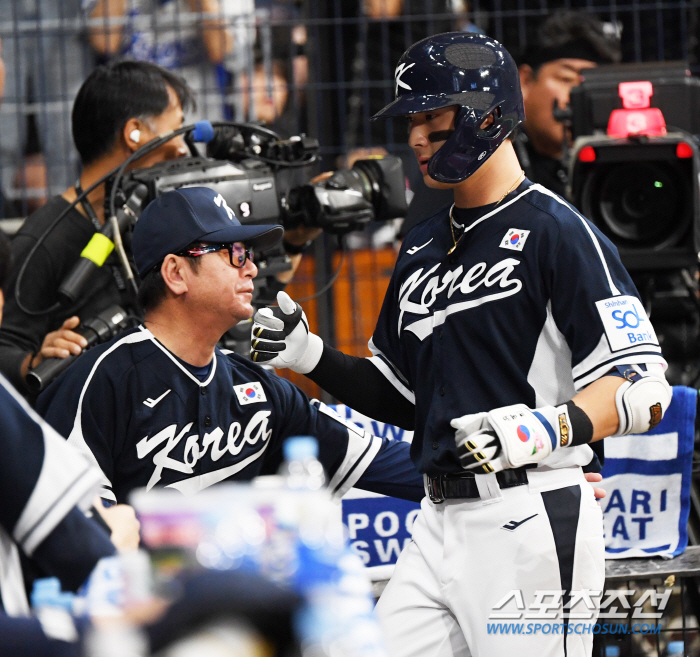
(300, 448)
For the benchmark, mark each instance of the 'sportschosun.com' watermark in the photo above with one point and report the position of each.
(571, 628)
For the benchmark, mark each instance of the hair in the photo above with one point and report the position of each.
(115, 93)
(153, 290)
(5, 259)
(575, 35)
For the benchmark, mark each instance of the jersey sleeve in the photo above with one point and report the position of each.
(350, 455)
(385, 346)
(83, 405)
(595, 305)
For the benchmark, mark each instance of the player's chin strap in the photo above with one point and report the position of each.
(515, 436)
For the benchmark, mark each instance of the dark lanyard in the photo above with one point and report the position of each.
(87, 207)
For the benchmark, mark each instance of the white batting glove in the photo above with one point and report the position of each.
(281, 337)
(511, 437)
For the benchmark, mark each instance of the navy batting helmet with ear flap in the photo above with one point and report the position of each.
(472, 71)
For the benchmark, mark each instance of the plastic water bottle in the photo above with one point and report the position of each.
(301, 469)
(675, 648)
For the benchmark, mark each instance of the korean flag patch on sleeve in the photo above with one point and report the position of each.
(250, 393)
(514, 239)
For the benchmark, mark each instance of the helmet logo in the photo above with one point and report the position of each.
(481, 156)
(400, 70)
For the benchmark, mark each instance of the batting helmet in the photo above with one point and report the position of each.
(472, 71)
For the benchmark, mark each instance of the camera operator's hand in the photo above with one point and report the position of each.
(58, 344)
(281, 337)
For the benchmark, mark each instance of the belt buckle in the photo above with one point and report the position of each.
(435, 492)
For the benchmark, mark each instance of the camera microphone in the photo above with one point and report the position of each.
(203, 131)
(98, 248)
(99, 329)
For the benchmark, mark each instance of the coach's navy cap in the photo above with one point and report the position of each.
(178, 218)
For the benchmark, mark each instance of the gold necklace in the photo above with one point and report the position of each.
(521, 175)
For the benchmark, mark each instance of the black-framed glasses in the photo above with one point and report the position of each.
(237, 252)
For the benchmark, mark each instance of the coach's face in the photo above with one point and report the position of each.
(219, 292)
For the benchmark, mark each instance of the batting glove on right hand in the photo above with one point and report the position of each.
(281, 337)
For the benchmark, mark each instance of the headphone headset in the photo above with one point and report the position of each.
(135, 136)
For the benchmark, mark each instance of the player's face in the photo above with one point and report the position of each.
(420, 126)
(223, 290)
(171, 119)
(553, 81)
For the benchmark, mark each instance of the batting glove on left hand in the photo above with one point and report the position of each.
(510, 437)
(281, 337)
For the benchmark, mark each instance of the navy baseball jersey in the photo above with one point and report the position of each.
(146, 418)
(531, 306)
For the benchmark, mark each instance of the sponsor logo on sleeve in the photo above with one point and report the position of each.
(563, 430)
(655, 415)
(250, 393)
(514, 239)
(625, 323)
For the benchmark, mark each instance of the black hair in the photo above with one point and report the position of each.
(153, 289)
(5, 259)
(115, 93)
(572, 35)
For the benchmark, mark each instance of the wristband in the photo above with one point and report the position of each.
(581, 425)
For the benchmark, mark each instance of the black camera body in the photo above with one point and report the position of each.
(643, 194)
(249, 186)
(253, 169)
(635, 161)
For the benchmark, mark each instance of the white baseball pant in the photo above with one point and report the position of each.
(467, 555)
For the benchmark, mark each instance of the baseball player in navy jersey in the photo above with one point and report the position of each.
(511, 339)
(161, 405)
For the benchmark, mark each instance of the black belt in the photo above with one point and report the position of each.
(458, 486)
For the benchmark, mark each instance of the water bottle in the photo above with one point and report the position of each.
(301, 469)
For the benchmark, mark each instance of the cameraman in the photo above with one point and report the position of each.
(567, 43)
(119, 108)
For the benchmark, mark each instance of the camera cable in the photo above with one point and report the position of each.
(336, 273)
(79, 198)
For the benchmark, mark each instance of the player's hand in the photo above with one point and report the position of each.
(61, 343)
(121, 519)
(508, 437)
(281, 337)
(594, 478)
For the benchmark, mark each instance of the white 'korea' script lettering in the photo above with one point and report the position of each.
(255, 432)
(453, 281)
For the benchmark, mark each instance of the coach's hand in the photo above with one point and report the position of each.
(281, 337)
(508, 437)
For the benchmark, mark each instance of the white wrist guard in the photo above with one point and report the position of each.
(641, 401)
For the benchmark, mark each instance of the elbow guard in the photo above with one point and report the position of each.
(642, 400)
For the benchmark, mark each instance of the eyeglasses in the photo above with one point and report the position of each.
(237, 252)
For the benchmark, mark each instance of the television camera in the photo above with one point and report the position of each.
(634, 173)
(260, 177)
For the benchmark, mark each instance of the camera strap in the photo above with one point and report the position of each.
(89, 211)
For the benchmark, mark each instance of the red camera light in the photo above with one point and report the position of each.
(586, 154)
(637, 118)
(684, 150)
